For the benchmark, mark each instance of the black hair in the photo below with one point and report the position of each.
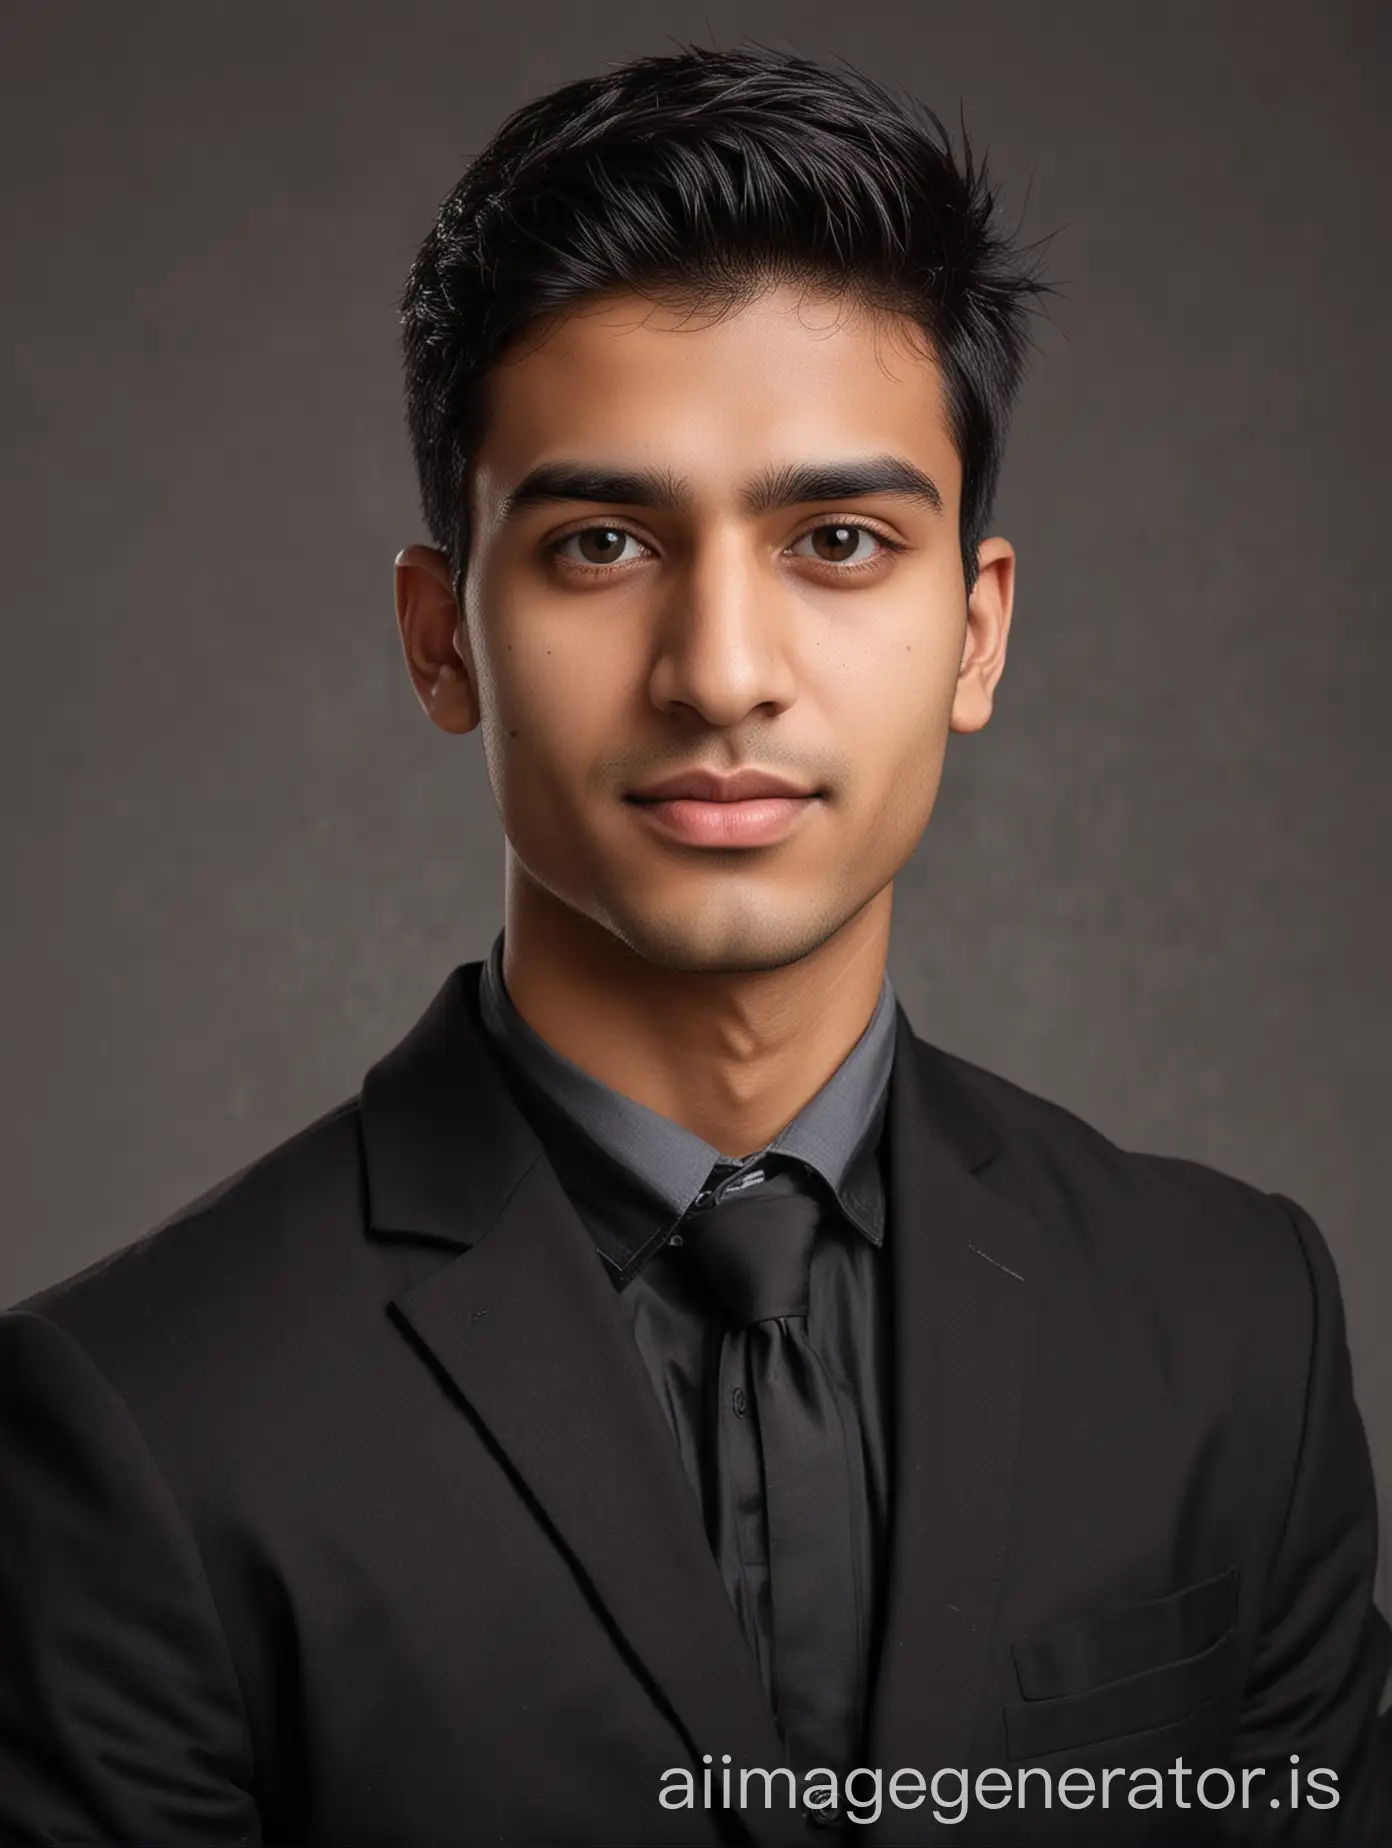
(701, 174)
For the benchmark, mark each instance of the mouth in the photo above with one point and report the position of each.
(711, 786)
(754, 821)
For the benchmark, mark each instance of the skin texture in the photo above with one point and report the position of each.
(718, 985)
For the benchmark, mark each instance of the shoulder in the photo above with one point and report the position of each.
(244, 1265)
(1197, 1244)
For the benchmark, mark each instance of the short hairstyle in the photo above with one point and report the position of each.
(702, 174)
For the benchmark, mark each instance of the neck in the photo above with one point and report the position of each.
(731, 1056)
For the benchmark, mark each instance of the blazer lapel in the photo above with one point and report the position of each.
(966, 1286)
(525, 1327)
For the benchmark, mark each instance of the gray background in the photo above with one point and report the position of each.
(241, 861)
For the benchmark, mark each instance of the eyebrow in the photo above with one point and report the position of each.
(789, 486)
(832, 481)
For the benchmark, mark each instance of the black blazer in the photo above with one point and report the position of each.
(341, 1509)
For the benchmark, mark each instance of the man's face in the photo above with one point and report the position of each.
(721, 544)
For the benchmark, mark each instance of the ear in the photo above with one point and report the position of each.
(988, 626)
(434, 640)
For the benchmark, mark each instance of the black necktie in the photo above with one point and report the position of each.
(753, 1250)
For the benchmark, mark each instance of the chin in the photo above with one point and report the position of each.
(741, 941)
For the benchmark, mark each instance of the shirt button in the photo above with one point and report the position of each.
(676, 1239)
(739, 1399)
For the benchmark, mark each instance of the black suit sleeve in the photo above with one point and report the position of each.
(120, 1715)
(1323, 1651)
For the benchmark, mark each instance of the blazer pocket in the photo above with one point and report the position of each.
(1126, 1670)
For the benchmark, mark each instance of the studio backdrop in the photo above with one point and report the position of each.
(240, 861)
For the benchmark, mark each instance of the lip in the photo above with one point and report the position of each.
(758, 821)
(708, 786)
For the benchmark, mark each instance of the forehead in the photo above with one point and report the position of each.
(790, 374)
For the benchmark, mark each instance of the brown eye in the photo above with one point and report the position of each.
(839, 544)
(598, 545)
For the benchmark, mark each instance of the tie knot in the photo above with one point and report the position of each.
(754, 1249)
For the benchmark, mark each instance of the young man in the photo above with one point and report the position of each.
(673, 1402)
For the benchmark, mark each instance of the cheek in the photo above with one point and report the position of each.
(892, 710)
(549, 708)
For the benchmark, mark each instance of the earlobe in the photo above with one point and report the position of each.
(432, 639)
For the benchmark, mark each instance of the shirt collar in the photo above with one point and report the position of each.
(633, 1173)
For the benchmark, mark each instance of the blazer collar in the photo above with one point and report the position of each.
(525, 1327)
(446, 1142)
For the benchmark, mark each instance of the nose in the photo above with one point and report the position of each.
(723, 645)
